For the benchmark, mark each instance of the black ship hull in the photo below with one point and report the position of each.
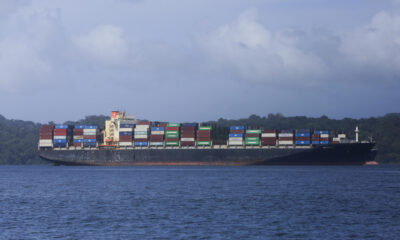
(334, 154)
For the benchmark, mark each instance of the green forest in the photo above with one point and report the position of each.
(18, 139)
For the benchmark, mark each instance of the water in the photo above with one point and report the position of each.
(46, 202)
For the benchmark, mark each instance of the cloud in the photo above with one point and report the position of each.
(29, 49)
(105, 44)
(261, 55)
(376, 45)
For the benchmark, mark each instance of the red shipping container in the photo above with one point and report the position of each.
(140, 140)
(162, 125)
(60, 131)
(125, 140)
(188, 128)
(236, 131)
(268, 131)
(187, 135)
(172, 128)
(188, 131)
(285, 138)
(252, 135)
(77, 144)
(172, 139)
(46, 137)
(203, 139)
(89, 137)
(302, 139)
(186, 143)
(324, 139)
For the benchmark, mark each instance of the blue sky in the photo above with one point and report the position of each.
(198, 60)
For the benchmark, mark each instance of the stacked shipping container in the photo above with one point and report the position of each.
(60, 136)
(78, 135)
(268, 138)
(46, 136)
(320, 137)
(188, 134)
(157, 136)
(90, 135)
(141, 134)
(125, 133)
(172, 134)
(252, 137)
(204, 136)
(285, 137)
(302, 137)
(236, 136)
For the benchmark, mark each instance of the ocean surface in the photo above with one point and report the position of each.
(266, 202)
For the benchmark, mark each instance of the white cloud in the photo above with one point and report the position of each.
(376, 45)
(260, 55)
(105, 43)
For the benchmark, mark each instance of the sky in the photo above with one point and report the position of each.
(198, 60)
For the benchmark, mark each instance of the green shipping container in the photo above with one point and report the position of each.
(156, 144)
(252, 139)
(171, 132)
(171, 143)
(205, 128)
(253, 131)
(203, 143)
(173, 124)
(252, 142)
(172, 136)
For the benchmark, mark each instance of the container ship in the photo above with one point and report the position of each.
(125, 141)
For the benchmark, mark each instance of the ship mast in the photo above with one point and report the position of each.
(356, 131)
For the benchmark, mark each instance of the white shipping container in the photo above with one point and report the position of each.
(45, 141)
(268, 135)
(45, 145)
(235, 143)
(187, 139)
(78, 137)
(324, 135)
(89, 134)
(141, 136)
(92, 131)
(157, 132)
(60, 137)
(125, 144)
(142, 127)
(235, 139)
(141, 132)
(341, 135)
(285, 142)
(285, 134)
(126, 129)
(337, 139)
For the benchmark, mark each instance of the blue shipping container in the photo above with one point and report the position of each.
(126, 125)
(189, 124)
(315, 142)
(89, 144)
(79, 126)
(60, 126)
(78, 140)
(90, 127)
(63, 145)
(89, 140)
(303, 134)
(287, 131)
(302, 142)
(59, 140)
(324, 142)
(321, 132)
(140, 143)
(125, 133)
(235, 135)
(157, 129)
(237, 127)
